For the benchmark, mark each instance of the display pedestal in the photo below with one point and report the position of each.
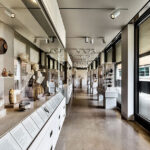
(110, 103)
(2, 113)
(111, 98)
(2, 110)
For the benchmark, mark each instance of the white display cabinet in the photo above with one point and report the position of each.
(106, 85)
(88, 81)
(40, 130)
(94, 83)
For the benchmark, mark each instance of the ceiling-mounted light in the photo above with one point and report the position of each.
(52, 39)
(115, 14)
(35, 40)
(59, 50)
(78, 51)
(34, 1)
(92, 40)
(86, 40)
(104, 41)
(10, 14)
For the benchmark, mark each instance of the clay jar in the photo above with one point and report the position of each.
(11, 96)
(4, 73)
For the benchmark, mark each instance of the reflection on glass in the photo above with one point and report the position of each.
(144, 69)
(118, 81)
(109, 55)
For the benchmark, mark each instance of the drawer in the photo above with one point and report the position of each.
(45, 135)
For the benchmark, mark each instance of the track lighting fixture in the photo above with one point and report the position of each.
(86, 40)
(104, 41)
(92, 40)
(78, 51)
(52, 39)
(35, 40)
(10, 14)
(115, 14)
(47, 41)
(34, 1)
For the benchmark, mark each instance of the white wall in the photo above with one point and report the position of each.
(81, 74)
(7, 60)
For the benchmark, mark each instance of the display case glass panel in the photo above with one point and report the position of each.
(144, 70)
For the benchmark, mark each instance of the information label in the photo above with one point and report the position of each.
(8, 143)
(42, 114)
(37, 119)
(31, 127)
(21, 136)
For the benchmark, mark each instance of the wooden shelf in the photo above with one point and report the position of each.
(6, 77)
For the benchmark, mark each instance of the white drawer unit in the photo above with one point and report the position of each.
(40, 130)
(37, 119)
(21, 136)
(31, 127)
(8, 143)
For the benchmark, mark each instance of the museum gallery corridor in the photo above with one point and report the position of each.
(88, 127)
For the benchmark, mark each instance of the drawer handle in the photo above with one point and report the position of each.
(59, 128)
(59, 117)
(51, 148)
(51, 134)
(46, 110)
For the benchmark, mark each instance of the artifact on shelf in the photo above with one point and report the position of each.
(35, 67)
(24, 57)
(14, 96)
(11, 96)
(3, 46)
(4, 73)
(10, 74)
(24, 105)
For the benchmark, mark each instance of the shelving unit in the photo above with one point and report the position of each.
(106, 85)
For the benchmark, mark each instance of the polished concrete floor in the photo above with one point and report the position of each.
(88, 127)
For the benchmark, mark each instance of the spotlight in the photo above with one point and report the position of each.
(86, 40)
(35, 40)
(10, 14)
(115, 14)
(34, 1)
(104, 41)
(92, 40)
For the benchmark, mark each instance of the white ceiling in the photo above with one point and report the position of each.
(94, 23)
(25, 23)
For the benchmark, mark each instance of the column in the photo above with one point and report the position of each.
(127, 105)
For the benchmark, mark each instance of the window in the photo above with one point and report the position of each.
(109, 55)
(118, 51)
(143, 83)
(144, 71)
(34, 56)
(118, 70)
